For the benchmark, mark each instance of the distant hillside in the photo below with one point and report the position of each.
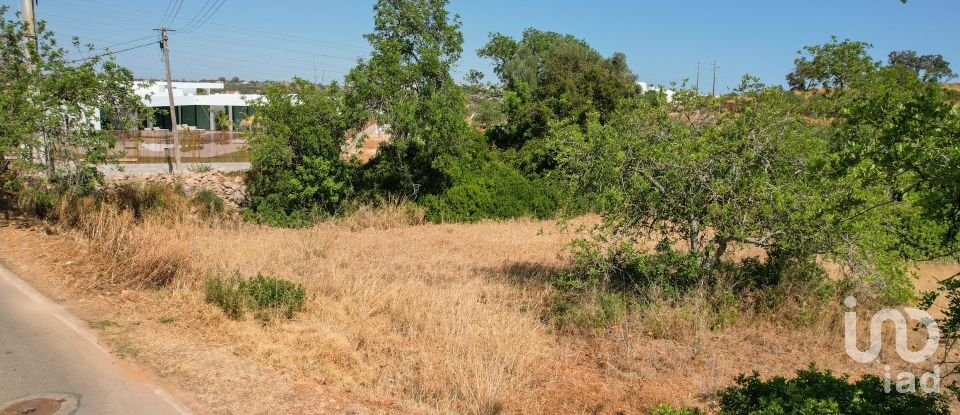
(953, 92)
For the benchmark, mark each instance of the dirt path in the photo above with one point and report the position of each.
(46, 353)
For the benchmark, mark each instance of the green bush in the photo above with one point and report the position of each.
(145, 198)
(263, 296)
(495, 190)
(664, 409)
(820, 392)
(622, 268)
(296, 171)
(815, 392)
(210, 205)
(596, 311)
(38, 201)
(83, 182)
(604, 283)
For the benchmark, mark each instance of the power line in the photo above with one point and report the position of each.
(209, 15)
(194, 18)
(274, 48)
(108, 53)
(251, 38)
(176, 13)
(167, 11)
(127, 42)
(241, 30)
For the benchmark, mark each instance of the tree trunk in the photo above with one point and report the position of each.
(722, 244)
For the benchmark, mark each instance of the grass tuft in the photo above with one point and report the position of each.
(265, 297)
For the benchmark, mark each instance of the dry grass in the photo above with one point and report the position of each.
(404, 313)
(136, 253)
(409, 319)
(391, 213)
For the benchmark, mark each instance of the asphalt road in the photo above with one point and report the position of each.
(45, 352)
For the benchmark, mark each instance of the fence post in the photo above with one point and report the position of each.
(166, 152)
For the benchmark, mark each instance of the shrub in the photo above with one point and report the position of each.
(208, 203)
(817, 392)
(264, 296)
(296, 171)
(142, 199)
(493, 191)
(664, 409)
(622, 268)
(38, 201)
(820, 392)
(200, 168)
(82, 182)
(605, 283)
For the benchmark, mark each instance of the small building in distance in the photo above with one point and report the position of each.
(197, 104)
(645, 87)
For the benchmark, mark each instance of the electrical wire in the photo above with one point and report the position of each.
(167, 11)
(108, 53)
(250, 37)
(209, 15)
(199, 13)
(127, 42)
(177, 13)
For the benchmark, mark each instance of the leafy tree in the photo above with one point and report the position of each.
(899, 132)
(703, 175)
(550, 77)
(474, 77)
(832, 66)
(296, 169)
(930, 67)
(50, 107)
(406, 86)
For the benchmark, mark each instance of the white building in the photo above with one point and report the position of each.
(197, 105)
(644, 87)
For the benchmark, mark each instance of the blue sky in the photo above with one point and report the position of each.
(663, 40)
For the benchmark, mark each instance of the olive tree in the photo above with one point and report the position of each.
(703, 177)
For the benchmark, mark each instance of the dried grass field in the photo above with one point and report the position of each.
(400, 318)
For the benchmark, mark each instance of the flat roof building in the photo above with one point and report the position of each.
(197, 106)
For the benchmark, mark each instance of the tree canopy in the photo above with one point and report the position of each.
(297, 172)
(406, 86)
(548, 77)
(929, 67)
(832, 66)
(51, 108)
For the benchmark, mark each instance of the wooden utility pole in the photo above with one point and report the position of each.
(164, 44)
(31, 46)
(29, 18)
(698, 78)
(713, 91)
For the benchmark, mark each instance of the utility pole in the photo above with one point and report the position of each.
(165, 45)
(30, 46)
(29, 18)
(698, 78)
(713, 91)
